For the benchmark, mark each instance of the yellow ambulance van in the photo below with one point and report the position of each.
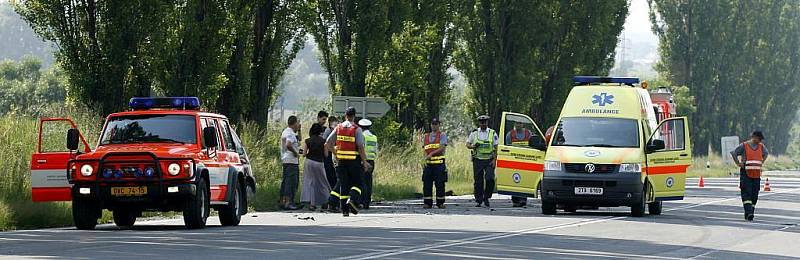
(607, 150)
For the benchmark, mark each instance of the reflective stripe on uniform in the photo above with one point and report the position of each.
(336, 194)
(747, 202)
(356, 189)
(427, 198)
(432, 146)
(752, 167)
(753, 161)
(345, 138)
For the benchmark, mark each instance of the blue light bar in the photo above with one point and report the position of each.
(141, 103)
(586, 80)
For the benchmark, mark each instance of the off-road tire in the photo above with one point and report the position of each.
(124, 217)
(85, 214)
(231, 214)
(197, 208)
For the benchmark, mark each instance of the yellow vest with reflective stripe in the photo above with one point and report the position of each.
(484, 148)
(370, 145)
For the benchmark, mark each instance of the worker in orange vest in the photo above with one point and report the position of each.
(753, 153)
(435, 171)
(347, 144)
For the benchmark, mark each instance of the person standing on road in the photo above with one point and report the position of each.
(371, 147)
(347, 144)
(435, 171)
(483, 143)
(753, 153)
(290, 158)
(316, 189)
(330, 170)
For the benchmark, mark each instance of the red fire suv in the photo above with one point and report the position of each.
(162, 155)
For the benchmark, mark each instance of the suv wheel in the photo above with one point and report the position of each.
(124, 217)
(231, 214)
(196, 210)
(85, 214)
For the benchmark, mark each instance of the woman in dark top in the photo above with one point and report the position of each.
(316, 188)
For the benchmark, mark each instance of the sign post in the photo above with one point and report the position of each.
(366, 107)
(729, 143)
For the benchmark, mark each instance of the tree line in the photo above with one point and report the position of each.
(516, 55)
(740, 61)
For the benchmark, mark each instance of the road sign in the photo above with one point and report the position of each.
(729, 143)
(373, 106)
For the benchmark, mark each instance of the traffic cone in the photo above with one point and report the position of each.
(702, 182)
(766, 186)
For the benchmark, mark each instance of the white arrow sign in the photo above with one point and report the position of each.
(374, 107)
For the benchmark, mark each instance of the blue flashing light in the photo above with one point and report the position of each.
(117, 174)
(107, 173)
(137, 172)
(142, 103)
(149, 171)
(586, 80)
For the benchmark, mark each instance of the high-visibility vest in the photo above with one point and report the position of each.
(346, 148)
(370, 145)
(753, 160)
(431, 146)
(526, 135)
(484, 148)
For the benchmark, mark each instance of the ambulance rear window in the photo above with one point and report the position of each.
(597, 132)
(150, 129)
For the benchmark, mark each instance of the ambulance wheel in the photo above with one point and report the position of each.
(231, 214)
(124, 217)
(637, 209)
(85, 214)
(548, 207)
(196, 210)
(654, 208)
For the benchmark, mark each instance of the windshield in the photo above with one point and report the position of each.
(150, 129)
(597, 132)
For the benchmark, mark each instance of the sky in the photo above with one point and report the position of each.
(637, 25)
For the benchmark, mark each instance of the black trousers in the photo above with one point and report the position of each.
(366, 197)
(350, 180)
(750, 188)
(330, 170)
(483, 179)
(434, 174)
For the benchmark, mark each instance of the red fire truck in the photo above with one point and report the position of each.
(162, 155)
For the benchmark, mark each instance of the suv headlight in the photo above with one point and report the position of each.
(630, 167)
(86, 170)
(173, 169)
(552, 165)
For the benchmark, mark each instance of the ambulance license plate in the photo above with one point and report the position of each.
(588, 191)
(128, 191)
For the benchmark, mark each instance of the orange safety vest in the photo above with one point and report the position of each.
(346, 148)
(753, 160)
(433, 146)
(520, 141)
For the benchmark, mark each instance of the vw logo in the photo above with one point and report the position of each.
(591, 153)
(589, 168)
(670, 181)
(517, 177)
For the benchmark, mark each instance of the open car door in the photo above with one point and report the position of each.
(669, 154)
(520, 156)
(49, 162)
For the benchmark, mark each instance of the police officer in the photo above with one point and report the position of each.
(347, 144)
(483, 143)
(371, 147)
(753, 154)
(435, 171)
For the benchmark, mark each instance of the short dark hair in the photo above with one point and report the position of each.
(758, 134)
(316, 129)
(292, 120)
(333, 119)
(322, 113)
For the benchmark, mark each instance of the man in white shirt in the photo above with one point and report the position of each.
(290, 158)
(483, 143)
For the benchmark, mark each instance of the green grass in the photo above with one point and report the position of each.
(713, 166)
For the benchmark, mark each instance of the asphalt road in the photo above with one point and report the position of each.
(707, 224)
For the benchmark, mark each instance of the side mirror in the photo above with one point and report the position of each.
(654, 145)
(537, 143)
(210, 137)
(73, 138)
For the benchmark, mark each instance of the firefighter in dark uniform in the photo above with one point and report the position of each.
(347, 143)
(753, 154)
(435, 172)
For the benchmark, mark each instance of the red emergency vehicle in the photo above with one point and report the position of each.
(162, 155)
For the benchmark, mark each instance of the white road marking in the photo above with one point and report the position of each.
(471, 240)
